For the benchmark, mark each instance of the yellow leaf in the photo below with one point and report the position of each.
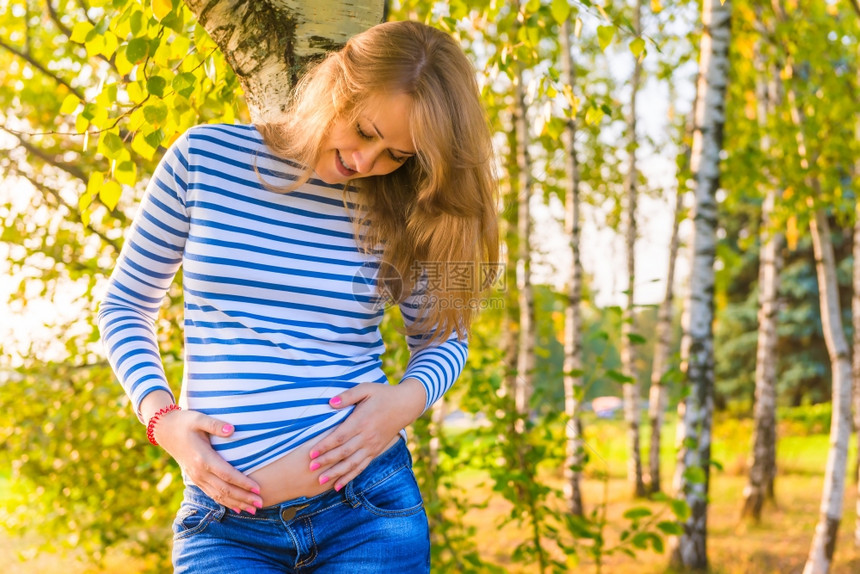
(139, 145)
(656, 6)
(123, 66)
(161, 8)
(70, 103)
(95, 182)
(110, 44)
(80, 31)
(81, 124)
(109, 194)
(95, 46)
(791, 233)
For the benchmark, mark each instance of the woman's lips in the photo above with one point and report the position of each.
(341, 165)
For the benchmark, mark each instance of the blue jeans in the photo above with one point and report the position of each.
(375, 524)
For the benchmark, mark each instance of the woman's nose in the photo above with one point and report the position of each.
(365, 158)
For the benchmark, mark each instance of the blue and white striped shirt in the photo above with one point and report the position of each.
(280, 312)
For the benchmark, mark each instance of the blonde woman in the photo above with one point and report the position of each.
(292, 238)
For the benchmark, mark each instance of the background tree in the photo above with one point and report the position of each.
(697, 355)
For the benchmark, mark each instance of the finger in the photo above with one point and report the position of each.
(214, 426)
(346, 470)
(350, 396)
(342, 435)
(227, 486)
(230, 496)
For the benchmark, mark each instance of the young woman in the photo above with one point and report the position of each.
(292, 237)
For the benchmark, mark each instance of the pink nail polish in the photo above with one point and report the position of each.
(227, 429)
(315, 465)
(252, 510)
(315, 453)
(335, 401)
(323, 479)
(237, 511)
(337, 487)
(255, 490)
(258, 503)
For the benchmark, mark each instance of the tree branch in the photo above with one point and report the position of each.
(856, 5)
(56, 18)
(38, 65)
(74, 213)
(70, 169)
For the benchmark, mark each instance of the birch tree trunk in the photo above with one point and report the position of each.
(660, 364)
(628, 322)
(697, 349)
(824, 541)
(268, 42)
(855, 305)
(525, 352)
(573, 390)
(762, 468)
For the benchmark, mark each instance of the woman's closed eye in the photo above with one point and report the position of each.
(366, 136)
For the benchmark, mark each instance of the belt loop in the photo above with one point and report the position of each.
(349, 494)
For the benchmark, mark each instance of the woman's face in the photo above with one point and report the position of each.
(377, 143)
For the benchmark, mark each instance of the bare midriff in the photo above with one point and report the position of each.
(290, 476)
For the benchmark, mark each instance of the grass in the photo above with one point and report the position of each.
(779, 544)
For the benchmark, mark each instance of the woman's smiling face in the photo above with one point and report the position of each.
(377, 143)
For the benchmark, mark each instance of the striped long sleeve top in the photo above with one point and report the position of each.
(280, 311)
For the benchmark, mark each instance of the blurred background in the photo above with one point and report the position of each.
(661, 378)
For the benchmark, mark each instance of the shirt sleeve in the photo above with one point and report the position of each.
(146, 266)
(437, 365)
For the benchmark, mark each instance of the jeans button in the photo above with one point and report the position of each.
(288, 513)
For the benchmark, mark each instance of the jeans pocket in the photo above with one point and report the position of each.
(191, 519)
(395, 495)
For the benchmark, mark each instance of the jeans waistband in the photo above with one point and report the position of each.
(390, 461)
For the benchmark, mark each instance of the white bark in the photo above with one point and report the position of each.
(697, 348)
(660, 364)
(628, 323)
(267, 42)
(526, 343)
(762, 467)
(573, 389)
(824, 541)
(855, 312)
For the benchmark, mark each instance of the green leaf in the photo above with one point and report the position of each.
(111, 145)
(155, 138)
(640, 540)
(619, 377)
(670, 528)
(637, 47)
(137, 50)
(70, 103)
(605, 35)
(80, 31)
(184, 84)
(636, 338)
(638, 512)
(657, 543)
(694, 475)
(560, 10)
(680, 509)
(533, 6)
(155, 86)
(155, 113)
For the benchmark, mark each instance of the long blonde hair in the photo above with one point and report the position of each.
(439, 209)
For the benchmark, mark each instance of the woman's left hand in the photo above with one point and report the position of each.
(381, 411)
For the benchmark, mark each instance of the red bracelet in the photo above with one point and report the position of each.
(150, 427)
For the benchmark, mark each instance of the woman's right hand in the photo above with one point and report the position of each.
(185, 436)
